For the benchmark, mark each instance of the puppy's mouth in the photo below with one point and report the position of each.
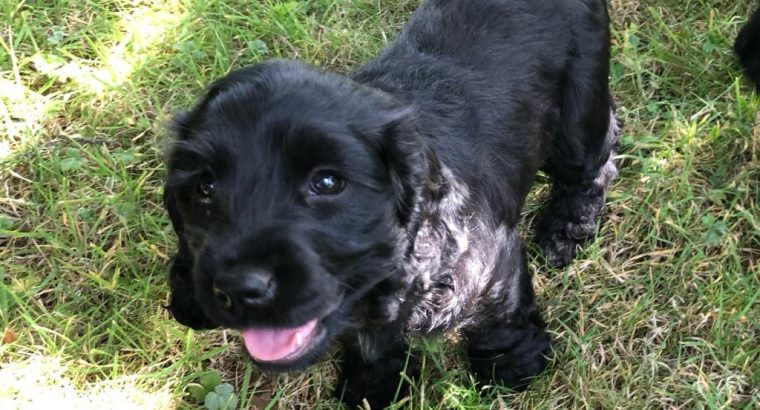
(282, 345)
(283, 348)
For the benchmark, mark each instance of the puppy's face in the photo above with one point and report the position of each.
(289, 190)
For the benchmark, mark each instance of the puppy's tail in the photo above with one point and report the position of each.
(747, 48)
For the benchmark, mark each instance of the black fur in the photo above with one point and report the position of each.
(438, 141)
(747, 48)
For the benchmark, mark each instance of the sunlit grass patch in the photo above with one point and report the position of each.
(45, 382)
(22, 115)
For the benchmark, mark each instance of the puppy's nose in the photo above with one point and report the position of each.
(244, 289)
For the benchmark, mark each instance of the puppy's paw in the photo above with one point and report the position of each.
(379, 393)
(560, 240)
(379, 383)
(522, 357)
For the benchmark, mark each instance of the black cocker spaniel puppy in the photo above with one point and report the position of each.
(314, 209)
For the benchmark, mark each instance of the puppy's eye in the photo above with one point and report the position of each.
(326, 183)
(206, 186)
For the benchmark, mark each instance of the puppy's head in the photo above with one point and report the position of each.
(291, 191)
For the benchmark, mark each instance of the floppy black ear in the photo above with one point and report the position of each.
(183, 305)
(170, 204)
(409, 163)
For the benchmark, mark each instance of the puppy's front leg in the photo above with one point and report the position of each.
(372, 366)
(509, 344)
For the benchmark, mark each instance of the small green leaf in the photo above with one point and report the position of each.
(224, 389)
(189, 47)
(127, 210)
(124, 156)
(26, 283)
(68, 164)
(197, 392)
(184, 47)
(633, 40)
(86, 214)
(708, 220)
(227, 398)
(617, 71)
(229, 402)
(56, 36)
(72, 153)
(6, 222)
(210, 380)
(212, 401)
(257, 48)
(716, 195)
(716, 233)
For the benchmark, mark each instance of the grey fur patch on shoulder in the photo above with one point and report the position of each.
(453, 255)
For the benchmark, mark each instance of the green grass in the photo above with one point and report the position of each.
(662, 311)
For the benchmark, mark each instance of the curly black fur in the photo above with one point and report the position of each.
(438, 141)
(747, 48)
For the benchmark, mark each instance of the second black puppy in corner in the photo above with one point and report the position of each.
(747, 48)
(314, 209)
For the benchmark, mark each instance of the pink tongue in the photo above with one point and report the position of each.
(275, 344)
